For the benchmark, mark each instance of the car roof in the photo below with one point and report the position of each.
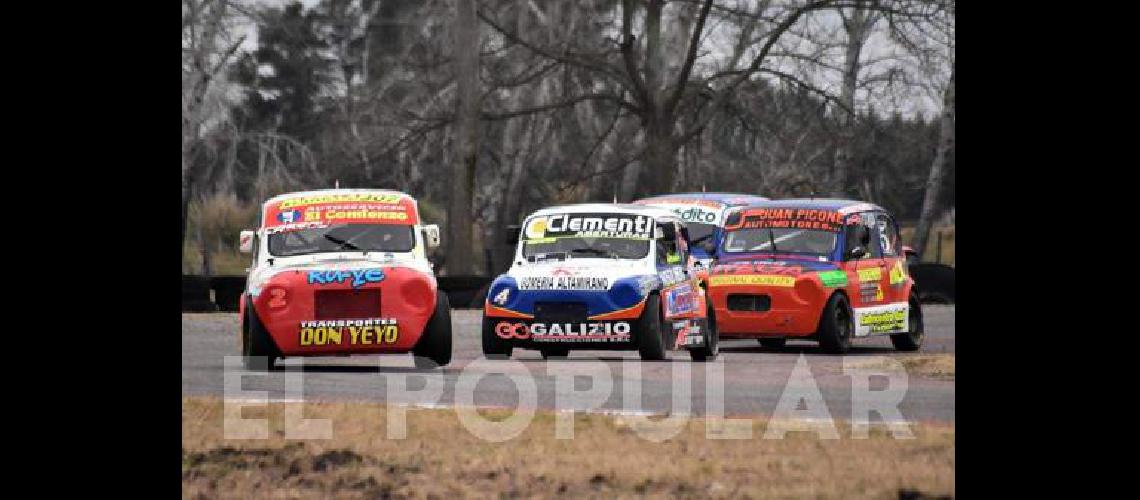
(614, 208)
(837, 204)
(720, 197)
(317, 192)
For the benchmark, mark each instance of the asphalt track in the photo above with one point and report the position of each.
(754, 377)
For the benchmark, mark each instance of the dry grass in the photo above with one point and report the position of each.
(907, 235)
(940, 366)
(441, 459)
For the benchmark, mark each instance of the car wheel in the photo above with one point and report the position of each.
(773, 343)
(711, 348)
(911, 340)
(493, 346)
(649, 330)
(434, 347)
(836, 325)
(257, 349)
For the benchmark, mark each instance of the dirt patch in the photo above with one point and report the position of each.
(939, 366)
(441, 458)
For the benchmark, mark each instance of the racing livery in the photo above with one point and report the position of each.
(599, 276)
(342, 271)
(703, 214)
(823, 270)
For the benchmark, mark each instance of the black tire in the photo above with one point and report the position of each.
(493, 346)
(650, 332)
(711, 349)
(773, 343)
(912, 340)
(434, 347)
(554, 352)
(258, 351)
(836, 325)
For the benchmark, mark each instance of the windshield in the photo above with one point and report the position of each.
(699, 233)
(343, 238)
(612, 248)
(801, 241)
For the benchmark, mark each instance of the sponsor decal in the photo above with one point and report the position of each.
(835, 278)
(289, 216)
(870, 274)
(564, 283)
(680, 300)
(361, 208)
(898, 273)
(508, 330)
(580, 332)
(777, 267)
(753, 279)
(340, 198)
(374, 331)
(671, 276)
(565, 332)
(870, 292)
(588, 226)
(790, 218)
(358, 277)
(883, 319)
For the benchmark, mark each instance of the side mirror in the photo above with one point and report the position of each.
(431, 235)
(245, 241)
(857, 252)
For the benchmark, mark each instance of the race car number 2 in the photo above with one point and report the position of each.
(358, 332)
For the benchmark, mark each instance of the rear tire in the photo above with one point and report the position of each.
(912, 340)
(711, 348)
(434, 347)
(493, 346)
(650, 344)
(773, 343)
(258, 352)
(836, 325)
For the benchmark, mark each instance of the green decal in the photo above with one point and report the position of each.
(833, 278)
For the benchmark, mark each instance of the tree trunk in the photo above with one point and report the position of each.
(857, 28)
(934, 181)
(660, 162)
(460, 259)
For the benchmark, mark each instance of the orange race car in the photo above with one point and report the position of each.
(825, 270)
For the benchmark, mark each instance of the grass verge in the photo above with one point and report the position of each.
(440, 458)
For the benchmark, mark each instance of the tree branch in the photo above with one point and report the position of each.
(690, 58)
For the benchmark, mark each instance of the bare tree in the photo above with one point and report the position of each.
(857, 25)
(934, 181)
(206, 49)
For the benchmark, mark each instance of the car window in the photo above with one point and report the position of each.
(667, 245)
(866, 221)
(888, 235)
(871, 220)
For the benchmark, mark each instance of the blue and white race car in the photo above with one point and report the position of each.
(599, 277)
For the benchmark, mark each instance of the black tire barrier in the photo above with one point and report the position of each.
(196, 294)
(935, 282)
(227, 291)
(462, 291)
